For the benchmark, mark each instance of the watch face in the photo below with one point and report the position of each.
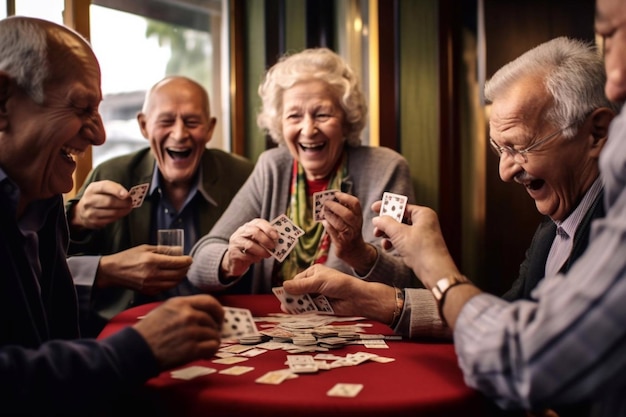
(442, 286)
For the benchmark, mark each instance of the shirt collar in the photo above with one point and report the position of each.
(570, 224)
(156, 184)
(34, 216)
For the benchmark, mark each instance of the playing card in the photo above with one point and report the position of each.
(138, 193)
(288, 234)
(345, 390)
(191, 372)
(319, 199)
(273, 377)
(230, 360)
(236, 370)
(238, 322)
(393, 205)
(322, 304)
(295, 304)
(301, 364)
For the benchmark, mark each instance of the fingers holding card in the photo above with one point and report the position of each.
(288, 234)
(319, 198)
(393, 205)
(138, 194)
(302, 303)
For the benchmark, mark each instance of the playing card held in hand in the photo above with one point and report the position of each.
(288, 234)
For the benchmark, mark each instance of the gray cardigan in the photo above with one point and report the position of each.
(371, 171)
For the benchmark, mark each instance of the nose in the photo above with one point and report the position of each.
(93, 130)
(179, 130)
(309, 126)
(508, 168)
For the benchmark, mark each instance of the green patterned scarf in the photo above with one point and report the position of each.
(313, 246)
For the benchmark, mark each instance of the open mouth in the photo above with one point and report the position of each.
(313, 147)
(178, 154)
(535, 184)
(70, 153)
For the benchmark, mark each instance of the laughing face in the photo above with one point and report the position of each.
(313, 127)
(177, 124)
(558, 172)
(46, 137)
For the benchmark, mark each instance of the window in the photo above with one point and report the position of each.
(139, 42)
(142, 43)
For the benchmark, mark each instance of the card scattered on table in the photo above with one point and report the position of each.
(288, 234)
(301, 364)
(275, 377)
(236, 370)
(345, 390)
(191, 372)
(231, 360)
(319, 198)
(393, 206)
(138, 194)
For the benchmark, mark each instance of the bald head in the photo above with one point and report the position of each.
(176, 83)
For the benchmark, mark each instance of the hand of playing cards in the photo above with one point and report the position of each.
(393, 205)
(288, 234)
(303, 303)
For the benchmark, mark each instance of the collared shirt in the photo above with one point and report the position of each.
(166, 217)
(30, 223)
(566, 230)
(84, 268)
(570, 344)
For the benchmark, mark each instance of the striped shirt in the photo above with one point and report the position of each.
(570, 344)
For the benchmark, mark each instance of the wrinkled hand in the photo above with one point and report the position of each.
(183, 329)
(348, 295)
(142, 269)
(102, 203)
(420, 242)
(344, 224)
(247, 246)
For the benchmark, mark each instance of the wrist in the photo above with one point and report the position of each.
(399, 306)
(442, 287)
(366, 259)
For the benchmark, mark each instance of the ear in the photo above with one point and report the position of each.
(141, 119)
(600, 120)
(209, 134)
(6, 89)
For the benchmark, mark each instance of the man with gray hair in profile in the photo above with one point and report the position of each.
(49, 97)
(564, 343)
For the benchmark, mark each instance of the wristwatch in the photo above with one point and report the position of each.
(443, 285)
(441, 288)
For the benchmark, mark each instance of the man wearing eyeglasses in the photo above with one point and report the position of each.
(548, 132)
(549, 120)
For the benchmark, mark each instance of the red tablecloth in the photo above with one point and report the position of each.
(424, 380)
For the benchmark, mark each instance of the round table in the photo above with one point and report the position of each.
(424, 380)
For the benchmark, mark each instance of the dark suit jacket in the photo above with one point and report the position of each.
(532, 270)
(223, 175)
(44, 370)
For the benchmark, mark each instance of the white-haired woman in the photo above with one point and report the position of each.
(313, 108)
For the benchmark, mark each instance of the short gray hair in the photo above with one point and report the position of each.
(312, 64)
(24, 54)
(573, 73)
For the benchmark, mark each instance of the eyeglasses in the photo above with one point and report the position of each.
(520, 156)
